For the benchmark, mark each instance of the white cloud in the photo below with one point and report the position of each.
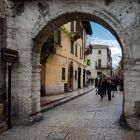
(113, 45)
(111, 42)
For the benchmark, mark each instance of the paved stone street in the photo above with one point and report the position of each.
(85, 118)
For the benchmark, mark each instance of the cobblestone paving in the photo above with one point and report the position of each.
(84, 118)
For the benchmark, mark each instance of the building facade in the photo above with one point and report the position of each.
(101, 61)
(64, 69)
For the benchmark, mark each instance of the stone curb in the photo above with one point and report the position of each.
(60, 102)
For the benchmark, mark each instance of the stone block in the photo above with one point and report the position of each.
(137, 108)
(52, 89)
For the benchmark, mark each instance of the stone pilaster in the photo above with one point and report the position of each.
(131, 92)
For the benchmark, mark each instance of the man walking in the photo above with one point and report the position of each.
(109, 87)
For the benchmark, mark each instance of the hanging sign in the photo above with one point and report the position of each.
(9, 55)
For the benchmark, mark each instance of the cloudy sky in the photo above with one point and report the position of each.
(103, 37)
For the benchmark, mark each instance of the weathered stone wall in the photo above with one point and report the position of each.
(3, 43)
(3, 36)
(132, 92)
(33, 21)
(2, 69)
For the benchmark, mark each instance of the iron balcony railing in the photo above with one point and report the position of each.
(102, 67)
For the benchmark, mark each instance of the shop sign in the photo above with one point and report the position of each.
(9, 55)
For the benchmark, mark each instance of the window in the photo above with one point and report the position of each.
(99, 63)
(84, 57)
(63, 73)
(72, 47)
(99, 73)
(76, 50)
(81, 53)
(72, 26)
(99, 51)
(79, 28)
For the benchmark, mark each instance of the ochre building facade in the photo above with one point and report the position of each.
(65, 68)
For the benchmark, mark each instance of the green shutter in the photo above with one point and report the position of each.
(88, 62)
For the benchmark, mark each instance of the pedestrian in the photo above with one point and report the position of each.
(109, 87)
(96, 85)
(113, 87)
(104, 85)
(116, 82)
(100, 90)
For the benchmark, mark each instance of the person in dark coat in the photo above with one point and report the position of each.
(109, 87)
(104, 86)
(100, 91)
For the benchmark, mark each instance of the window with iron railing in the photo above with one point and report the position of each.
(79, 29)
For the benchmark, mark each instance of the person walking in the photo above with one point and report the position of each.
(109, 88)
(100, 89)
(96, 84)
(113, 87)
(104, 86)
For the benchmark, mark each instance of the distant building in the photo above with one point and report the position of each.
(101, 61)
(64, 59)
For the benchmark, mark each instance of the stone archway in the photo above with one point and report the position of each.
(39, 19)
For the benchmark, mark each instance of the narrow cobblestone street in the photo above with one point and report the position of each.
(85, 118)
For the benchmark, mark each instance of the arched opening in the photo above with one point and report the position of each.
(31, 24)
(47, 32)
(30, 40)
(52, 25)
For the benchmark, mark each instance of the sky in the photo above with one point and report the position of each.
(102, 36)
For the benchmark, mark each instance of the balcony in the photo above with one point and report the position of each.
(99, 67)
(88, 50)
(76, 35)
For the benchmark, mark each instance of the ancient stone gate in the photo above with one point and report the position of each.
(29, 23)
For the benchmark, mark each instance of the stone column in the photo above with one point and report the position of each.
(25, 76)
(36, 86)
(131, 92)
